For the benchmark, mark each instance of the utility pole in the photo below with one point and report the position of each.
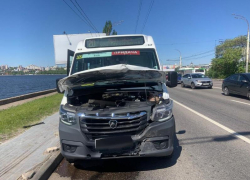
(247, 48)
(180, 56)
(243, 18)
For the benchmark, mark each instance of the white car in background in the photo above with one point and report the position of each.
(195, 80)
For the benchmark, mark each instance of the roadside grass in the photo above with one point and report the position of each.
(13, 119)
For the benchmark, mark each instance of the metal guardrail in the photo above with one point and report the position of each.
(25, 96)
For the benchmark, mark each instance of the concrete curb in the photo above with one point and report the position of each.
(48, 167)
(219, 79)
(25, 96)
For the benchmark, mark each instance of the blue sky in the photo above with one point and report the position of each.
(191, 26)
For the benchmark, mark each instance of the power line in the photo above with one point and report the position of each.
(146, 19)
(197, 54)
(138, 16)
(196, 42)
(192, 58)
(83, 16)
(200, 57)
(86, 16)
(117, 23)
(184, 43)
(187, 57)
(75, 12)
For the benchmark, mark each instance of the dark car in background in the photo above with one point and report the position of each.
(179, 76)
(237, 84)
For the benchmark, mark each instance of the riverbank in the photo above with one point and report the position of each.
(25, 100)
(14, 119)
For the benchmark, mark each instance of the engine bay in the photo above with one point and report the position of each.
(114, 98)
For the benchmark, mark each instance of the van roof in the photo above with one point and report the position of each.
(149, 43)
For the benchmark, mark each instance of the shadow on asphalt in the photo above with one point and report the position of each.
(236, 96)
(211, 139)
(197, 88)
(132, 164)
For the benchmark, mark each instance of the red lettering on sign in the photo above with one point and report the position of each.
(115, 53)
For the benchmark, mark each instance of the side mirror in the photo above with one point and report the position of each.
(189, 77)
(57, 88)
(172, 79)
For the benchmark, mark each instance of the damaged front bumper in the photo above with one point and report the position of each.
(154, 141)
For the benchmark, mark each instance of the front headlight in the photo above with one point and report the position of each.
(162, 112)
(68, 118)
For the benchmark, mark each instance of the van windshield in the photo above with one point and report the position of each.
(138, 57)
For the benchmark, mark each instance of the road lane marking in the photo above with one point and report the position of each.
(232, 132)
(217, 87)
(241, 102)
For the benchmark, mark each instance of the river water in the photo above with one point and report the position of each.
(11, 86)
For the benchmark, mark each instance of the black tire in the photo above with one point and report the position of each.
(248, 95)
(182, 84)
(192, 85)
(226, 91)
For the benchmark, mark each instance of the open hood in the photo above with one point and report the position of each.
(112, 73)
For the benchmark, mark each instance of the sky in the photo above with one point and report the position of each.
(190, 26)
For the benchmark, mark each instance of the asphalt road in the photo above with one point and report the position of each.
(213, 142)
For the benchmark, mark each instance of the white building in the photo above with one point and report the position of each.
(33, 67)
(20, 68)
(4, 67)
(54, 67)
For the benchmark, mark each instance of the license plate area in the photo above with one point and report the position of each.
(205, 84)
(114, 143)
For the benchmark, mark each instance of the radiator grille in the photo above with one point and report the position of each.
(94, 126)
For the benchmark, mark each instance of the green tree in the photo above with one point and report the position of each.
(228, 58)
(107, 28)
(238, 42)
(114, 32)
